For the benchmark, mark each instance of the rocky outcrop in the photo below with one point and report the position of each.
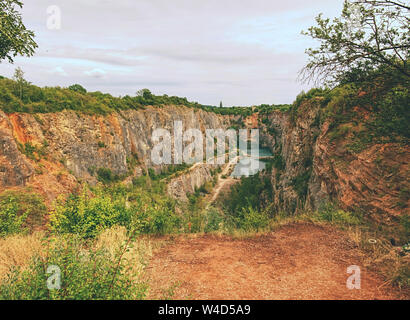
(54, 152)
(14, 168)
(312, 168)
(189, 182)
(77, 145)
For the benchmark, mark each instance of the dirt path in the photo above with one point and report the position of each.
(222, 183)
(299, 261)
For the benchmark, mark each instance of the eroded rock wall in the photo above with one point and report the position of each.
(76, 145)
(317, 169)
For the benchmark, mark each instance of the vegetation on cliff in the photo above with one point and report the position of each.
(21, 96)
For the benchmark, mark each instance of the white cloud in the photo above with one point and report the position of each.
(96, 73)
(242, 52)
(59, 71)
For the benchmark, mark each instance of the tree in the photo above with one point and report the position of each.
(15, 39)
(145, 93)
(21, 82)
(221, 105)
(77, 88)
(369, 35)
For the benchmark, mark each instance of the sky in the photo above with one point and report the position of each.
(240, 52)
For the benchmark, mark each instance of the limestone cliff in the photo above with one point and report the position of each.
(53, 152)
(311, 168)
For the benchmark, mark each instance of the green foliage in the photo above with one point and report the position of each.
(316, 95)
(88, 216)
(276, 162)
(250, 219)
(15, 39)
(20, 212)
(266, 108)
(75, 97)
(32, 151)
(159, 218)
(300, 184)
(369, 35)
(330, 213)
(392, 113)
(106, 176)
(167, 171)
(10, 221)
(213, 220)
(249, 193)
(77, 88)
(86, 274)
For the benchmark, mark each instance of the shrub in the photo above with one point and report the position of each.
(20, 211)
(250, 219)
(77, 88)
(86, 216)
(213, 220)
(300, 184)
(330, 213)
(249, 193)
(76, 97)
(105, 175)
(10, 221)
(85, 275)
(159, 218)
(405, 223)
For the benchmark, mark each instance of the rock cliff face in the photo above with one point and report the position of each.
(312, 169)
(53, 152)
(187, 183)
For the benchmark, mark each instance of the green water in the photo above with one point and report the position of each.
(250, 165)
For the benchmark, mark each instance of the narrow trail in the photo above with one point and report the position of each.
(222, 182)
(298, 261)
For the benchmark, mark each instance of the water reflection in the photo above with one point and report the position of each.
(249, 165)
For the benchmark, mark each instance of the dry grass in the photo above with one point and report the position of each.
(139, 251)
(381, 256)
(17, 251)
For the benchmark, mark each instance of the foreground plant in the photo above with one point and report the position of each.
(71, 271)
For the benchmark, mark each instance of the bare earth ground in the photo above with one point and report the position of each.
(298, 261)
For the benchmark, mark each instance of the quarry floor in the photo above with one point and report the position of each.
(298, 261)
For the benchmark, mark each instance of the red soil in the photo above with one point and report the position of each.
(299, 261)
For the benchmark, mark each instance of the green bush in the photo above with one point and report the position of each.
(88, 216)
(10, 221)
(213, 220)
(77, 88)
(86, 274)
(20, 212)
(300, 184)
(330, 213)
(158, 218)
(76, 97)
(250, 219)
(106, 176)
(249, 193)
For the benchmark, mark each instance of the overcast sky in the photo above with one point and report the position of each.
(243, 52)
